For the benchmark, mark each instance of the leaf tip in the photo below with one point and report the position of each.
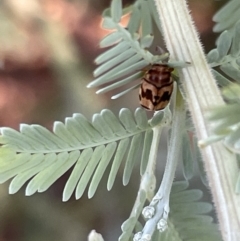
(114, 97)
(89, 85)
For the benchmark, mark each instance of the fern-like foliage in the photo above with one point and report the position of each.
(225, 122)
(226, 56)
(127, 56)
(227, 16)
(89, 147)
(188, 219)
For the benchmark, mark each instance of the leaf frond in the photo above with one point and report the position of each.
(225, 120)
(188, 219)
(227, 56)
(122, 64)
(227, 16)
(35, 152)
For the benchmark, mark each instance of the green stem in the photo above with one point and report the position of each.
(202, 93)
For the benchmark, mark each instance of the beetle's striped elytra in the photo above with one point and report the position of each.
(156, 88)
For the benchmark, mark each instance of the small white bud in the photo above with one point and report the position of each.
(94, 236)
(146, 237)
(162, 225)
(148, 212)
(137, 236)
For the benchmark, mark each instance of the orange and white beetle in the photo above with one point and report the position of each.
(156, 88)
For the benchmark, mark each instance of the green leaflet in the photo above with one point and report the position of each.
(116, 10)
(237, 186)
(187, 155)
(64, 134)
(125, 91)
(77, 131)
(179, 186)
(108, 23)
(120, 83)
(233, 140)
(222, 81)
(95, 158)
(146, 19)
(213, 56)
(106, 158)
(135, 147)
(114, 61)
(132, 64)
(114, 51)
(135, 20)
(227, 16)
(224, 13)
(76, 173)
(118, 157)
(146, 41)
(23, 142)
(146, 150)
(23, 177)
(187, 195)
(13, 166)
(102, 127)
(224, 43)
(37, 180)
(87, 146)
(111, 38)
(231, 71)
(126, 117)
(65, 162)
(153, 9)
(87, 128)
(113, 123)
(236, 36)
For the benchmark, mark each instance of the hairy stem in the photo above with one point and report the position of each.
(201, 91)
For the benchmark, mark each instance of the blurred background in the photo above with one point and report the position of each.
(47, 52)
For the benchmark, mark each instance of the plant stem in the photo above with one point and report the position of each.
(202, 93)
(161, 199)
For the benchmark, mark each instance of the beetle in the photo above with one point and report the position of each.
(156, 87)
